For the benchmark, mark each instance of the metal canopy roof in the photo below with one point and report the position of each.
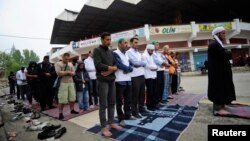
(121, 15)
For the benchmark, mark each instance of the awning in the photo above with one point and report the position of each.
(98, 16)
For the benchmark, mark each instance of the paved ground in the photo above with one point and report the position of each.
(77, 126)
(198, 84)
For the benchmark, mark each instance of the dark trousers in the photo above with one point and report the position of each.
(106, 92)
(151, 95)
(92, 92)
(138, 94)
(23, 90)
(174, 84)
(33, 91)
(123, 95)
(46, 94)
(12, 89)
(159, 85)
(17, 91)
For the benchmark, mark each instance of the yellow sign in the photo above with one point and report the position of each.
(211, 26)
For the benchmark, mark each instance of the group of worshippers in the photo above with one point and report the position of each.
(35, 83)
(122, 76)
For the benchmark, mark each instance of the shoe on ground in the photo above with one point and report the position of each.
(52, 127)
(46, 134)
(60, 132)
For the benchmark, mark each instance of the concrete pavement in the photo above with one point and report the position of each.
(192, 84)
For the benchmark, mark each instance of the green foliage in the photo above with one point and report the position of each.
(15, 60)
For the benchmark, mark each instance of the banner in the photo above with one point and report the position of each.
(170, 29)
(89, 42)
(128, 34)
(211, 26)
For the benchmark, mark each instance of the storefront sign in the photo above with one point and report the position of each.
(211, 26)
(170, 29)
(89, 42)
(128, 34)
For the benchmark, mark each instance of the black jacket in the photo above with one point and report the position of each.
(103, 57)
(46, 68)
(78, 80)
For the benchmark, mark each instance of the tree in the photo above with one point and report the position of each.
(15, 60)
(17, 56)
(29, 55)
(4, 59)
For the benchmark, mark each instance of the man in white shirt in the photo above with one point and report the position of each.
(150, 77)
(90, 68)
(138, 80)
(21, 82)
(162, 64)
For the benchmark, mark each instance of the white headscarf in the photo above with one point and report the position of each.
(215, 32)
(150, 46)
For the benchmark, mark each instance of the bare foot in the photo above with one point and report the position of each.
(222, 112)
(105, 131)
(116, 126)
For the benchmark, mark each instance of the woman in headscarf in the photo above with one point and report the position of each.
(220, 82)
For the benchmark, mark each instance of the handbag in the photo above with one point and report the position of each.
(58, 80)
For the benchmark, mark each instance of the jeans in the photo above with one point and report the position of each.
(83, 99)
(166, 86)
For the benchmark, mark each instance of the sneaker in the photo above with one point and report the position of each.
(74, 112)
(61, 117)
